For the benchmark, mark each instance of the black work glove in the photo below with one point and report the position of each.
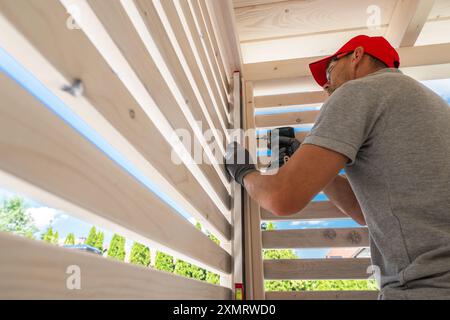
(286, 149)
(238, 162)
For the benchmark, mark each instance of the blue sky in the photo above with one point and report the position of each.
(64, 223)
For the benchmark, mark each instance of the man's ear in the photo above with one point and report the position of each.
(357, 55)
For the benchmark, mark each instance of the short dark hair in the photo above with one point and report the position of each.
(377, 63)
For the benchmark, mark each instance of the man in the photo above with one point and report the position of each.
(392, 136)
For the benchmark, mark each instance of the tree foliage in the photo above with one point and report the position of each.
(164, 262)
(70, 239)
(50, 236)
(13, 218)
(100, 238)
(140, 255)
(92, 237)
(117, 248)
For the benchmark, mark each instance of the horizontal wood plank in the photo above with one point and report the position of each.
(313, 211)
(287, 119)
(39, 147)
(111, 110)
(291, 99)
(33, 269)
(323, 295)
(316, 238)
(293, 68)
(317, 269)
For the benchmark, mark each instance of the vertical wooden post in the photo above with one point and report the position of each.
(252, 216)
(237, 213)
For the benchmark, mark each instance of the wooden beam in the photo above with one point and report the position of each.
(407, 22)
(56, 158)
(287, 119)
(197, 42)
(252, 215)
(192, 13)
(237, 208)
(295, 68)
(292, 99)
(224, 22)
(317, 269)
(159, 69)
(197, 63)
(316, 238)
(33, 269)
(323, 295)
(129, 130)
(201, 11)
(314, 211)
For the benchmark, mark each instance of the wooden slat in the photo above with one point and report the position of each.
(201, 39)
(32, 269)
(161, 72)
(287, 19)
(198, 70)
(314, 211)
(297, 99)
(200, 7)
(316, 238)
(252, 215)
(317, 269)
(323, 295)
(75, 57)
(237, 209)
(224, 22)
(40, 148)
(208, 43)
(294, 68)
(407, 22)
(189, 24)
(286, 119)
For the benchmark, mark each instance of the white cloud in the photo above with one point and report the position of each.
(43, 216)
(309, 223)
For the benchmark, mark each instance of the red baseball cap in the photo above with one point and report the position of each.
(377, 47)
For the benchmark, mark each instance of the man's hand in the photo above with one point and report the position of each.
(238, 162)
(287, 147)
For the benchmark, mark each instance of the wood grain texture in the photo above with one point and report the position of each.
(286, 119)
(316, 238)
(75, 58)
(295, 18)
(32, 269)
(317, 269)
(293, 99)
(313, 211)
(323, 295)
(224, 22)
(40, 148)
(196, 40)
(199, 67)
(252, 214)
(428, 55)
(159, 77)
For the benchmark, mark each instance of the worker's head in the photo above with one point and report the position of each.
(359, 57)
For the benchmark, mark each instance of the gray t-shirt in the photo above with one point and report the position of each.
(396, 133)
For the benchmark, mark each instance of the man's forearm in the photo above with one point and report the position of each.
(341, 194)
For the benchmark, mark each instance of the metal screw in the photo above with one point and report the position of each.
(330, 234)
(76, 89)
(354, 237)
